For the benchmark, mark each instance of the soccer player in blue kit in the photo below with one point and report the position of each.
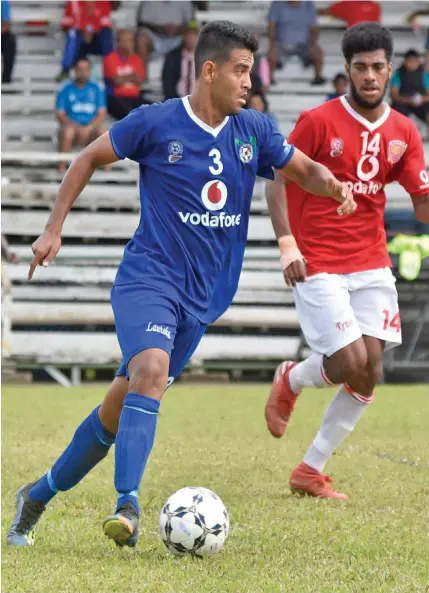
(199, 157)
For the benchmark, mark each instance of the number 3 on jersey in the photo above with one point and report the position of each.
(369, 155)
(217, 167)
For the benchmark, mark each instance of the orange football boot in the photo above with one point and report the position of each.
(281, 401)
(306, 480)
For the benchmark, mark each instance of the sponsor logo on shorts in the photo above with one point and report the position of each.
(337, 147)
(343, 325)
(396, 150)
(160, 329)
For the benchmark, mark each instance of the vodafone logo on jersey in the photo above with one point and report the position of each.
(214, 196)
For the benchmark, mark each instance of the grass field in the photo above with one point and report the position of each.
(215, 436)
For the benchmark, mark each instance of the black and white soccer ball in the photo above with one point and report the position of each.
(194, 521)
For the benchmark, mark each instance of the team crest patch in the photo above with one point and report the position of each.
(175, 151)
(396, 150)
(337, 146)
(246, 153)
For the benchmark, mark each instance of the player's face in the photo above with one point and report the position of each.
(369, 74)
(231, 81)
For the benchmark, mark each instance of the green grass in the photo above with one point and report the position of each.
(215, 436)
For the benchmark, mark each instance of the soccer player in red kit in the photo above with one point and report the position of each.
(343, 287)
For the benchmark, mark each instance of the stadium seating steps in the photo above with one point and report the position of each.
(63, 319)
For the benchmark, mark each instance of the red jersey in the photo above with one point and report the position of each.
(115, 65)
(367, 156)
(354, 12)
(87, 15)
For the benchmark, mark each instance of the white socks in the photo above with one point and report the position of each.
(309, 373)
(339, 420)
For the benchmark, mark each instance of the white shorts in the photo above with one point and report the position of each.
(334, 310)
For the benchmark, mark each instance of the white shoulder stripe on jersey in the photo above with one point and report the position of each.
(371, 126)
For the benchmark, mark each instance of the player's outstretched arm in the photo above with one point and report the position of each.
(421, 207)
(317, 179)
(97, 154)
(291, 259)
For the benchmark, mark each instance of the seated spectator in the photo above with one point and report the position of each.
(8, 43)
(81, 109)
(353, 11)
(258, 102)
(88, 28)
(161, 25)
(340, 84)
(292, 30)
(261, 68)
(178, 73)
(412, 20)
(124, 74)
(410, 88)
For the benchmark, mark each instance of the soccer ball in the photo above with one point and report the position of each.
(194, 521)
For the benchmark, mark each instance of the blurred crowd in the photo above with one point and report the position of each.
(169, 29)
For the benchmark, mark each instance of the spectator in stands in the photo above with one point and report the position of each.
(8, 43)
(412, 20)
(81, 109)
(258, 102)
(340, 84)
(293, 30)
(161, 25)
(124, 74)
(261, 68)
(410, 88)
(178, 73)
(353, 11)
(88, 28)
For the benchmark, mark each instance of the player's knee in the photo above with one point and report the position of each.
(353, 362)
(149, 374)
(374, 371)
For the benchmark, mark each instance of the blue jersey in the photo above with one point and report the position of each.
(80, 104)
(196, 185)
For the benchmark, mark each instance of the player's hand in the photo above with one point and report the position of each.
(295, 272)
(343, 194)
(45, 248)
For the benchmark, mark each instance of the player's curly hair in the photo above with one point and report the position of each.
(366, 37)
(216, 41)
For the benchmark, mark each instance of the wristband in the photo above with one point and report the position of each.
(289, 251)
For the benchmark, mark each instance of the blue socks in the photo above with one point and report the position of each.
(90, 444)
(134, 443)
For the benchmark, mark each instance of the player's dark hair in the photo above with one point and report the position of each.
(365, 37)
(338, 77)
(217, 40)
(83, 59)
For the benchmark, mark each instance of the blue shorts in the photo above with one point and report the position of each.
(146, 317)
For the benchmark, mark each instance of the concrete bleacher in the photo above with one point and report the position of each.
(63, 317)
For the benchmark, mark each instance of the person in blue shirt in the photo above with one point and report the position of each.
(8, 43)
(199, 157)
(340, 83)
(81, 109)
(410, 88)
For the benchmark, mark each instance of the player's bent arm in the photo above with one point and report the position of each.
(317, 179)
(421, 207)
(97, 154)
(291, 258)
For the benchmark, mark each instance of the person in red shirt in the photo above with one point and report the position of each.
(88, 28)
(353, 11)
(124, 75)
(339, 268)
